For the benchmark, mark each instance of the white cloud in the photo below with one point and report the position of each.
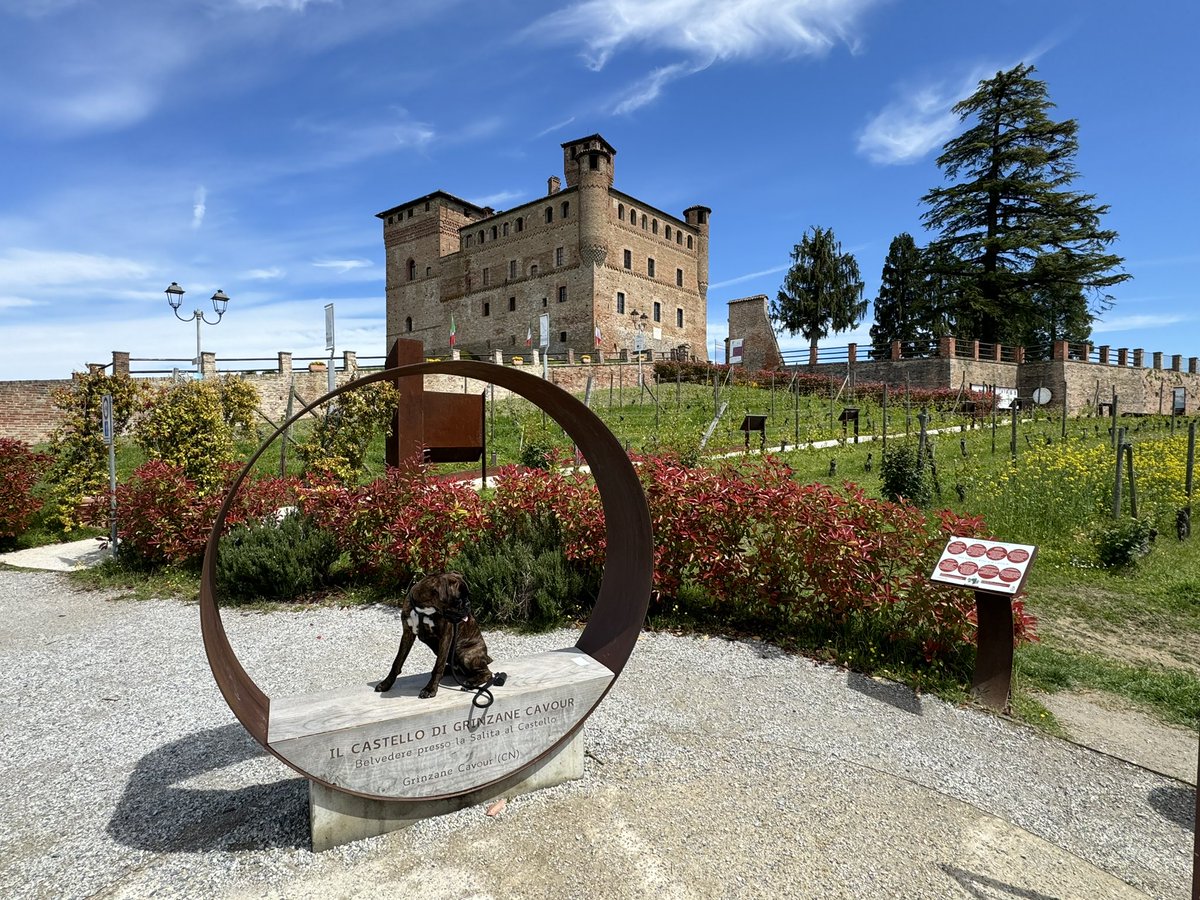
(342, 265)
(290, 5)
(749, 276)
(1132, 323)
(199, 206)
(649, 88)
(496, 200)
(17, 302)
(20, 268)
(563, 124)
(267, 274)
(911, 126)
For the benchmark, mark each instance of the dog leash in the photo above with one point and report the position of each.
(483, 695)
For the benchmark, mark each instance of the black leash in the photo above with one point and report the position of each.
(483, 695)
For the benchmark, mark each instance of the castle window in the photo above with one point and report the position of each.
(506, 229)
(391, 220)
(495, 232)
(643, 221)
(487, 308)
(558, 256)
(468, 242)
(650, 267)
(668, 232)
(593, 160)
(520, 223)
(620, 303)
(512, 304)
(621, 211)
(408, 323)
(566, 209)
(512, 340)
(679, 237)
(426, 206)
(533, 270)
(654, 227)
(679, 277)
(545, 302)
(410, 212)
(486, 276)
(412, 269)
(562, 293)
(679, 318)
(562, 336)
(549, 214)
(512, 268)
(689, 242)
(629, 259)
(481, 236)
(428, 271)
(632, 216)
(657, 311)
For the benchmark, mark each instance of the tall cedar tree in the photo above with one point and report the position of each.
(900, 307)
(822, 291)
(1011, 207)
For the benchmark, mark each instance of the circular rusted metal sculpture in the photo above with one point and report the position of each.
(615, 622)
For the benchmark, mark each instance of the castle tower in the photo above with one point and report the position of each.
(588, 166)
(697, 216)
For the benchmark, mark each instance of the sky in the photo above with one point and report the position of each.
(246, 145)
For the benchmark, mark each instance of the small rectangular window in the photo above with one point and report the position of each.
(545, 302)
(512, 268)
(487, 308)
(486, 278)
(679, 277)
(562, 336)
(679, 318)
(512, 304)
(558, 256)
(620, 303)
(629, 259)
(562, 293)
(650, 267)
(657, 311)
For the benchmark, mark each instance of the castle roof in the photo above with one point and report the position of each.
(592, 137)
(438, 195)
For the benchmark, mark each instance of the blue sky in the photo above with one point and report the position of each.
(247, 144)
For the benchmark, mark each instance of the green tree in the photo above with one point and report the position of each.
(900, 305)
(1012, 204)
(822, 291)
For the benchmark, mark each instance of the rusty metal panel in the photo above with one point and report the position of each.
(453, 427)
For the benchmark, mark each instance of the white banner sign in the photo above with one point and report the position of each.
(328, 326)
(544, 330)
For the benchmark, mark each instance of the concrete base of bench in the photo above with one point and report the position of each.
(338, 818)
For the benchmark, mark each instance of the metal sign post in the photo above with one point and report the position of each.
(544, 342)
(106, 426)
(332, 373)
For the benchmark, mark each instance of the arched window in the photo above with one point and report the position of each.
(679, 237)
(408, 323)
(468, 241)
(520, 223)
(481, 236)
(689, 242)
(412, 269)
(549, 213)
(495, 232)
(621, 211)
(566, 208)
(668, 232)
(643, 221)
(654, 226)
(533, 270)
(632, 216)
(506, 229)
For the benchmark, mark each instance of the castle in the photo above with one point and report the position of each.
(614, 273)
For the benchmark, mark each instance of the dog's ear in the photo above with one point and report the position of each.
(453, 589)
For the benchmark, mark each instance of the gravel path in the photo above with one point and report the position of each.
(715, 769)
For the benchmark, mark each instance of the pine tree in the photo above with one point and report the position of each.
(822, 291)
(900, 306)
(1012, 205)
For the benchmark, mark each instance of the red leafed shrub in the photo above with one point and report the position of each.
(19, 468)
(162, 517)
(399, 525)
(571, 501)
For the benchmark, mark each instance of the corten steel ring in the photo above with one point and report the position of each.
(611, 631)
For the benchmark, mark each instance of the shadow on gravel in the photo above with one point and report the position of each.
(1176, 804)
(989, 888)
(155, 813)
(889, 692)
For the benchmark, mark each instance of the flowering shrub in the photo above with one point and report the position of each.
(338, 442)
(19, 470)
(163, 517)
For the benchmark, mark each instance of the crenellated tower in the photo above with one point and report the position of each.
(697, 217)
(588, 167)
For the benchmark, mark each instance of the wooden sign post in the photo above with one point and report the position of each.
(997, 572)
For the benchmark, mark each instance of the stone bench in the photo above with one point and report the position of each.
(442, 751)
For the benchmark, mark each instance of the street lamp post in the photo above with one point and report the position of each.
(639, 324)
(219, 301)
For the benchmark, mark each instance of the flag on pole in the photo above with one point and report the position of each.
(453, 330)
(598, 338)
(528, 335)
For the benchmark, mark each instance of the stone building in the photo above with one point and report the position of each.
(603, 264)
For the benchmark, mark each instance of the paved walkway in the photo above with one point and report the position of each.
(59, 557)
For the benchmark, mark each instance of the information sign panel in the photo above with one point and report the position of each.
(106, 423)
(992, 566)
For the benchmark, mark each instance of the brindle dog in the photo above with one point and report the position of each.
(433, 607)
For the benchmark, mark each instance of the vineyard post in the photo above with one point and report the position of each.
(1117, 476)
(883, 452)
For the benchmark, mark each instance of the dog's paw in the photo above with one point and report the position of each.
(426, 693)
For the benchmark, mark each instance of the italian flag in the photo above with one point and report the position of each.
(598, 338)
(453, 329)
(528, 335)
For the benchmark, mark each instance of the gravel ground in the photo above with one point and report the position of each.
(715, 769)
